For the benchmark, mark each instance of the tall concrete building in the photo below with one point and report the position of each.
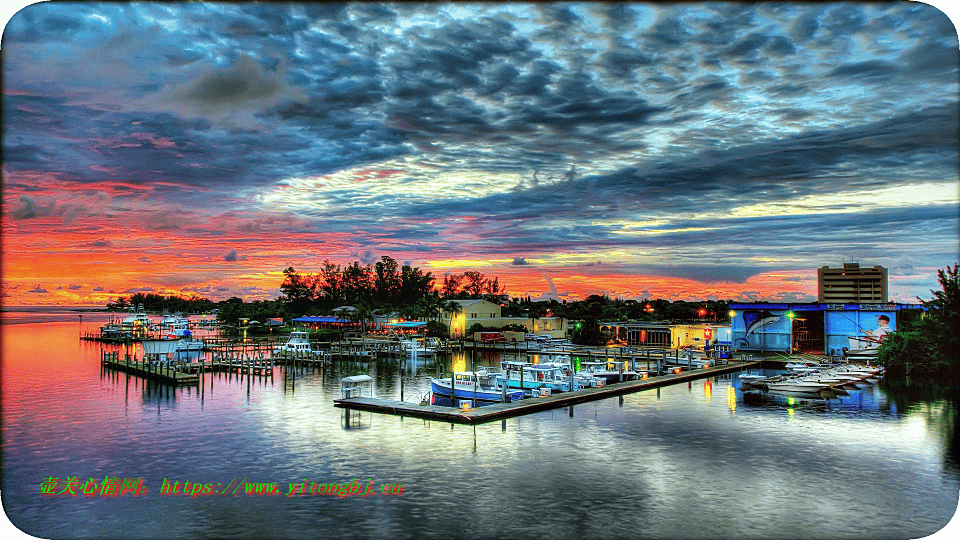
(852, 284)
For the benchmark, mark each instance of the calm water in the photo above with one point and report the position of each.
(690, 461)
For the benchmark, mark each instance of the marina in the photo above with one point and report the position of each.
(664, 443)
(499, 411)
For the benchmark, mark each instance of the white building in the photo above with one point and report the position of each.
(489, 314)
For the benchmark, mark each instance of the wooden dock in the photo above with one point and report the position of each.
(499, 411)
(187, 373)
(146, 370)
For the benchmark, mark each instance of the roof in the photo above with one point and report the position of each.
(888, 306)
(320, 319)
(356, 379)
(468, 301)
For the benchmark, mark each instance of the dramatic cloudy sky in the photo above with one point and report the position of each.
(695, 150)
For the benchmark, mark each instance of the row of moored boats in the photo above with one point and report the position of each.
(805, 379)
(517, 380)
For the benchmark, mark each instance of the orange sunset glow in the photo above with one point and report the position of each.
(591, 159)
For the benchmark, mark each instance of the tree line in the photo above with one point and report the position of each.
(387, 287)
(928, 346)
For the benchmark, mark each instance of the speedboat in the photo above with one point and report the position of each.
(478, 385)
(608, 371)
(752, 376)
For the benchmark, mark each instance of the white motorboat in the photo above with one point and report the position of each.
(480, 385)
(581, 379)
(297, 345)
(137, 322)
(524, 375)
(610, 372)
(752, 376)
(416, 347)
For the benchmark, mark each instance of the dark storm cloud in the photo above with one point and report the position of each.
(660, 107)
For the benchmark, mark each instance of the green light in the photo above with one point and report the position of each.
(791, 314)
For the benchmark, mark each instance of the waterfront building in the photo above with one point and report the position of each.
(852, 284)
(666, 335)
(489, 314)
(813, 328)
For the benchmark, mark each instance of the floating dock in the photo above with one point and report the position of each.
(499, 411)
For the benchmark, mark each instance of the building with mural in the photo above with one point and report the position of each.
(812, 328)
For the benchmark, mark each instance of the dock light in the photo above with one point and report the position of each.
(791, 315)
(732, 314)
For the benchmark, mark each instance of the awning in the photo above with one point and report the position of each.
(407, 324)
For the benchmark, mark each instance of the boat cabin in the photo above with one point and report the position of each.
(354, 386)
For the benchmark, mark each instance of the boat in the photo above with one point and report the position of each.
(297, 345)
(692, 363)
(478, 385)
(610, 372)
(187, 343)
(415, 347)
(170, 350)
(752, 376)
(114, 330)
(527, 376)
(179, 326)
(802, 367)
(581, 379)
(137, 322)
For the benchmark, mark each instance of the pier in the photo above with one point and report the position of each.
(147, 370)
(499, 411)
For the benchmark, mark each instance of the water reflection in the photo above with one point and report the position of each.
(678, 462)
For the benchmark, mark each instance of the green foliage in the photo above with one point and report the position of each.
(437, 329)
(929, 345)
(513, 328)
(384, 285)
(158, 303)
(474, 328)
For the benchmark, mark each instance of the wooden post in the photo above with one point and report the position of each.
(453, 384)
(522, 389)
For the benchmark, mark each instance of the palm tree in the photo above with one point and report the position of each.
(454, 308)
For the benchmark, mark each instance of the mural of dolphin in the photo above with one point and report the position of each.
(763, 318)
